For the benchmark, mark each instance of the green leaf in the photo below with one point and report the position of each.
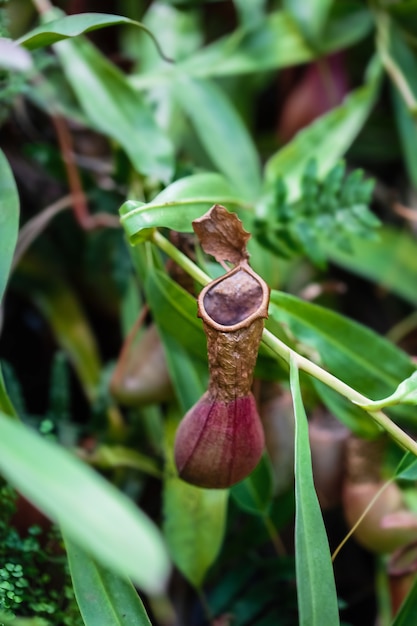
(178, 205)
(310, 17)
(330, 136)
(104, 599)
(112, 456)
(6, 405)
(406, 393)
(181, 32)
(407, 130)
(316, 590)
(61, 307)
(9, 220)
(393, 47)
(401, 54)
(222, 133)
(115, 108)
(354, 418)
(405, 14)
(276, 42)
(390, 261)
(194, 519)
(254, 494)
(174, 312)
(350, 351)
(407, 467)
(407, 615)
(90, 511)
(250, 13)
(72, 26)
(7, 619)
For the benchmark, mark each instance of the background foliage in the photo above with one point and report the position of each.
(300, 117)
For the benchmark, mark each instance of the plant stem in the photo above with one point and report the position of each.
(280, 349)
(361, 517)
(391, 67)
(274, 536)
(183, 261)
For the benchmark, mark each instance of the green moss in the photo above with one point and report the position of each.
(34, 577)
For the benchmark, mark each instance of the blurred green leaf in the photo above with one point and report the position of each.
(330, 136)
(407, 615)
(402, 55)
(174, 312)
(407, 130)
(72, 26)
(316, 590)
(61, 307)
(350, 351)
(194, 519)
(6, 405)
(104, 598)
(179, 30)
(9, 220)
(178, 205)
(405, 14)
(398, 57)
(353, 417)
(407, 467)
(250, 13)
(7, 619)
(115, 109)
(310, 17)
(93, 513)
(222, 133)
(276, 42)
(109, 456)
(254, 494)
(187, 374)
(389, 261)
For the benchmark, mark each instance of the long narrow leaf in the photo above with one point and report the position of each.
(6, 405)
(9, 220)
(222, 133)
(60, 305)
(276, 42)
(317, 599)
(92, 512)
(390, 260)
(115, 108)
(104, 599)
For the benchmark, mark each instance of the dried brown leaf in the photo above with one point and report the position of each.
(222, 235)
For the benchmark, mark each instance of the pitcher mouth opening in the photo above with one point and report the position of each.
(235, 300)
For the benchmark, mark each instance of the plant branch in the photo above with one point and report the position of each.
(392, 68)
(180, 258)
(280, 349)
(361, 517)
(80, 205)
